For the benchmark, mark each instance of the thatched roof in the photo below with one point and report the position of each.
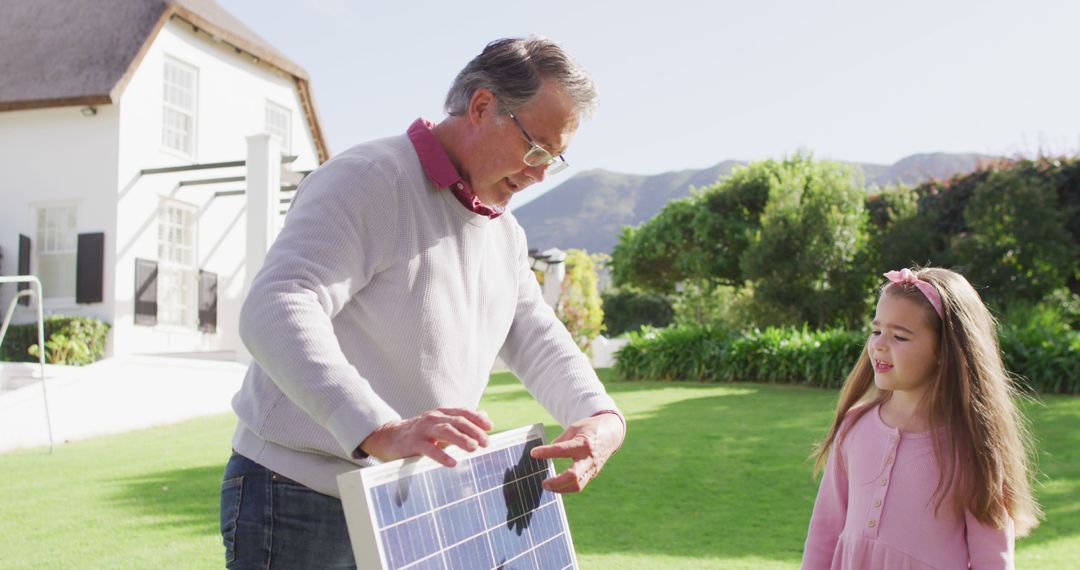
(60, 53)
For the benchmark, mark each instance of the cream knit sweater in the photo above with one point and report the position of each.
(383, 297)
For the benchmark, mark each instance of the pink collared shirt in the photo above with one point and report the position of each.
(439, 168)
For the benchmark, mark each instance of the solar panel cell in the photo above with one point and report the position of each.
(432, 563)
(508, 541)
(460, 521)
(526, 561)
(450, 485)
(488, 469)
(546, 523)
(411, 540)
(474, 553)
(554, 555)
(401, 499)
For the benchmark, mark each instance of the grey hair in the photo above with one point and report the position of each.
(513, 69)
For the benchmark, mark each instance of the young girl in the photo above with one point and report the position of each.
(926, 463)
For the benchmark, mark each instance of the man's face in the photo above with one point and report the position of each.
(497, 171)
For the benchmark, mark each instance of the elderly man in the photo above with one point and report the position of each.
(380, 309)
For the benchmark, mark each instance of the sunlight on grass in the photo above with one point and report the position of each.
(666, 562)
(711, 476)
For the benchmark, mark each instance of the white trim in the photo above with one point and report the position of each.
(170, 328)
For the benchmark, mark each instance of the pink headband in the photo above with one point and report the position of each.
(931, 294)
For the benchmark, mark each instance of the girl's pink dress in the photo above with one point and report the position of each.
(875, 509)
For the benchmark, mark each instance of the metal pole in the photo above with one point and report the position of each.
(41, 336)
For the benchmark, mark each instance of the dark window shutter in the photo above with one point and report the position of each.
(90, 275)
(146, 274)
(207, 301)
(24, 266)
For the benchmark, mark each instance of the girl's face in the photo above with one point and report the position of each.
(903, 346)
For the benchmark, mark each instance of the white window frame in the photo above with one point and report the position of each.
(284, 131)
(173, 106)
(46, 248)
(178, 293)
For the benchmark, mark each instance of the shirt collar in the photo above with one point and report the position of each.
(441, 170)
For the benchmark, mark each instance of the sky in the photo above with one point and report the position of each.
(688, 84)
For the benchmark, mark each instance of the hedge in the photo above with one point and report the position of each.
(1046, 360)
(91, 332)
(626, 311)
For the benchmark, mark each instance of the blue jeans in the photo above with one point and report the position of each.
(269, 521)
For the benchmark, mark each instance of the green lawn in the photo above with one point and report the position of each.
(712, 476)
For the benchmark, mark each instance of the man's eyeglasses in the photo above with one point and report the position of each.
(538, 156)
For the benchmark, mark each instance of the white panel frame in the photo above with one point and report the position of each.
(360, 517)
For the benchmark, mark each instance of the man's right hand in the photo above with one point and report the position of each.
(428, 433)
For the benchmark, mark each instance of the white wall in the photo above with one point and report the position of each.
(49, 157)
(232, 95)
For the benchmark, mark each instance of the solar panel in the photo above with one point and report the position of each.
(488, 512)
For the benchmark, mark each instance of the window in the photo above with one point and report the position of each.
(57, 245)
(279, 122)
(177, 292)
(180, 89)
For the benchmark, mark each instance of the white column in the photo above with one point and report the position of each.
(553, 278)
(263, 200)
(554, 274)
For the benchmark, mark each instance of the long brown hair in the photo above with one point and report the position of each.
(986, 457)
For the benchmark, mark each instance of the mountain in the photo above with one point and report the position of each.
(589, 210)
(918, 168)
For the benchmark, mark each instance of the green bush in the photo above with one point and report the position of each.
(1046, 358)
(68, 340)
(700, 303)
(1067, 306)
(792, 356)
(682, 352)
(628, 310)
(1040, 345)
(711, 353)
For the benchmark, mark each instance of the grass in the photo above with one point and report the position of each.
(712, 476)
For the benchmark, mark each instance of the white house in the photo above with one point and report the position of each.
(149, 148)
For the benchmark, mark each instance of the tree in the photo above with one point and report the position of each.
(1018, 247)
(699, 239)
(659, 253)
(812, 231)
(579, 306)
(727, 217)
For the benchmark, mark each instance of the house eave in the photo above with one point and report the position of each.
(59, 102)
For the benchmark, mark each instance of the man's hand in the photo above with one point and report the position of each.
(589, 442)
(428, 433)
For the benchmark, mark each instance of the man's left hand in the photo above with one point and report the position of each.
(589, 442)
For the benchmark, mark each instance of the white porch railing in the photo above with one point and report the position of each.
(35, 288)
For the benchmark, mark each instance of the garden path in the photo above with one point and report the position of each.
(117, 395)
